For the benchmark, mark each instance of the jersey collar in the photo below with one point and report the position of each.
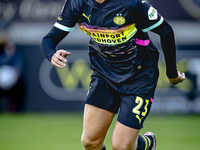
(94, 4)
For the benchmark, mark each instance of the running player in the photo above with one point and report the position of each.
(124, 63)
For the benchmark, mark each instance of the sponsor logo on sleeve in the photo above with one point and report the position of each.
(152, 13)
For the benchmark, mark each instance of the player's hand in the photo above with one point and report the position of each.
(179, 79)
(59, 58)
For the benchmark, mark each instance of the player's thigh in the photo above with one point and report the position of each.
(124, 137)
(96, 123)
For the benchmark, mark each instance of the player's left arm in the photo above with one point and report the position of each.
(180, 78)
(166, 34)
(148, 19)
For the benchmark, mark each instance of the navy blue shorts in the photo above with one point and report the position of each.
(133, 106)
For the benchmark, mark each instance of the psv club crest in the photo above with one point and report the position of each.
(119, 19)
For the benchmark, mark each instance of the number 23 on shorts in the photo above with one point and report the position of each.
(140, 102)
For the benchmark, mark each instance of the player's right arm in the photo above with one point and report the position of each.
(49, 43)
(64, 24)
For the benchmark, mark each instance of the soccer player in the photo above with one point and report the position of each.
(125, 66)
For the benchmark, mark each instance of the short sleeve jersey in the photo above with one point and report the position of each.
(120, 48)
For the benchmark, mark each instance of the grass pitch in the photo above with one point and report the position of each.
(63, 131)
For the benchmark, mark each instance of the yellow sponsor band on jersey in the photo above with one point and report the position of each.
(110, 37)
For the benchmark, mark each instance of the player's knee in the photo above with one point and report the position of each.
(123, 146)
(89, 143)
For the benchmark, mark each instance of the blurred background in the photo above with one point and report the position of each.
(43, 88)
(30, 84)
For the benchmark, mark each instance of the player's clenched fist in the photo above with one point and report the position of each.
(179, 79)
(59, 58)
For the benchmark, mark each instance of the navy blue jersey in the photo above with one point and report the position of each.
(120, 48)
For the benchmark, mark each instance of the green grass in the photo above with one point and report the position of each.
(63, 131)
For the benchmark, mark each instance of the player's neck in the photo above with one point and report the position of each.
(100, 1)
